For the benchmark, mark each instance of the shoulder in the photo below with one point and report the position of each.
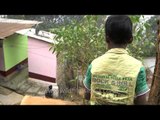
(129, 60)
(98, 59)
(134, 59)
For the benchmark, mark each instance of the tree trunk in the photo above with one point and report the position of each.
(60, 77)
(65, 73)
(154, 96)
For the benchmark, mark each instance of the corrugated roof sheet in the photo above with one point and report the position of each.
(10, 26)
(31, 33)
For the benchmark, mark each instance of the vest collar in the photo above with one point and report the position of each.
(117, 51)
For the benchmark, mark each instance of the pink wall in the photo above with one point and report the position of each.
(1, 60)
(40, 59)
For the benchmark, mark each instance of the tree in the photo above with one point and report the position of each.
(154, 96)
(49, 21)
(140, 43)
(82, 41)
(77, 47)
(150, 38)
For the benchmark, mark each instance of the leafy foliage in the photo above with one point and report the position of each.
(49, 21)
(81, 41)
(141, 44)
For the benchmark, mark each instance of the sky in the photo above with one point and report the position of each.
(146, 17)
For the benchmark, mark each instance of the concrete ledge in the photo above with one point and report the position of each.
(45, 85)
(14, 73)
(9, 77)
(11, 99)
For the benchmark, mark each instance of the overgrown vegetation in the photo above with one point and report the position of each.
(144, 38)
(144, 31)
(49, 21)
(82, 41)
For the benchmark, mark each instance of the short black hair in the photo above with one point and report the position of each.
(118, 28)
(50, 87)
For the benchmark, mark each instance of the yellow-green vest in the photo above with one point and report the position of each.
(114, 76)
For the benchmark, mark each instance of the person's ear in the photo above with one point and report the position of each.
(130, 40)
(107, 39)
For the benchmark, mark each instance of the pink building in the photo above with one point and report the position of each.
(41, 62)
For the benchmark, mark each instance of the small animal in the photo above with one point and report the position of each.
(49, 92)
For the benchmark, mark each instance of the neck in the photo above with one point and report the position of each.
(112, 45)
